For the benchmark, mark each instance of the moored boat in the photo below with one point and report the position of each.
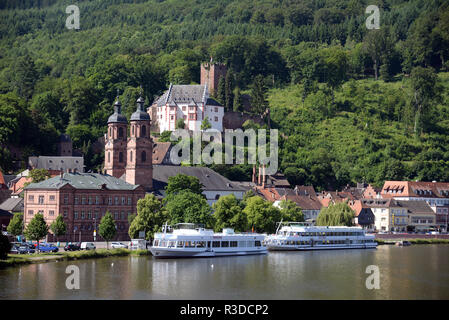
(193, 240)
(300, 236)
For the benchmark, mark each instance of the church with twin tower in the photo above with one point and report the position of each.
(129, 147)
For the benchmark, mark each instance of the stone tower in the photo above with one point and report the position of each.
(116, 142)
(211, 73)
(139, 168)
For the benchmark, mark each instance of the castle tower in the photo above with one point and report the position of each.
(211, 74)
(115, 142)
(139, 167)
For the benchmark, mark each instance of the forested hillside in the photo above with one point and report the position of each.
(353, 104)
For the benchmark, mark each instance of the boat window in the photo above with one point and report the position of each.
(163, 244)
(171, 244)
(190, 244)
(216, 244)
(257, 243)
(180, 244)
(233, 244)
(225, 244)
(250, 243)
(156, 243)
(242, 243)
(201, 244)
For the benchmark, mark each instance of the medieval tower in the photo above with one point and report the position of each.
(211, 74)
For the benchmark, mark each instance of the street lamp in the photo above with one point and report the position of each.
(95, 229)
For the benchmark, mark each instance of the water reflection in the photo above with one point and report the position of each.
(416, 272)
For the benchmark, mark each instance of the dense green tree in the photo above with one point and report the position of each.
(15, 226)
(237, 103)
(205, 124)
(262, 215)
(180, 124)
(229, 214)
(26, 76)
(36, 229)
(188, 207)
(290, 211)
(259, 101)
(58, 227)
(221, 91)
(339, 214)
(150, 217)
(229, 93)
(182, 182)
(107, 228)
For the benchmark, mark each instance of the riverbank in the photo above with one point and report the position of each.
(413, 241)
(21, 259)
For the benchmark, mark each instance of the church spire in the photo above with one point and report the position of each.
(117, 115)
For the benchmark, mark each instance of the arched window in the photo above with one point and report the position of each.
(110, 132)
(120, 132)
(144, 156)
(132, 127)
(131, 156)
(120, 156)
(109, 157)
(144, 131)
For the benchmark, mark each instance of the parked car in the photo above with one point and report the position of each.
(87, 246)
(25, 248)
(48, 248)
(72, 247)
(115, 245)
(14, 249)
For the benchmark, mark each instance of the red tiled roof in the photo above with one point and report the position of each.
(305, 202)
(415, 189)
(160, 150)
(2, 180)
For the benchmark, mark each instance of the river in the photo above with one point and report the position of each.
(415, 272)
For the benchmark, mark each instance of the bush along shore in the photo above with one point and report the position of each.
(414, 241)
(16, 259)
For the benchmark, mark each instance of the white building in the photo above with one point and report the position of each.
(189, 102)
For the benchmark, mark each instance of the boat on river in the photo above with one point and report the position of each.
(301, 236)
(193, 240)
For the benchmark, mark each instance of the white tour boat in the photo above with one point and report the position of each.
(300, 236)
(192, 240)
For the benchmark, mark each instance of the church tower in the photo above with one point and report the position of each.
(139, 168)
(115, 142)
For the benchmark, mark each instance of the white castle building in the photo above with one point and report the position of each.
(189, 102)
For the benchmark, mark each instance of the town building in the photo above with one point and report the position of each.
(5, 193)
(363, 215)
(434, 193)
(211, 73)
(83, 199)
(310, 205)
(56, 164)
(214, 185)
(64, 146)
(189, 102)
(12, 205)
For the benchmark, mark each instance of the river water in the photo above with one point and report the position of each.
(415, 272)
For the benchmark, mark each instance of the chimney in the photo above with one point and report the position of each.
(263, 176)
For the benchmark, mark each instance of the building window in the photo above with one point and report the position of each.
(144, 131)
(116, 215)
(31, 198)
(120, 157)
(116, 201)
(76, 215)
(192, 116)
(172, 117)
(51, 213)
(66, 199)
(91, 200)
(216, 119)
(52, 198)
(65, 213)
(123, 200)
(130, 201)
(216, 109)
(120, 132)
(123, 215)
(130, 156)
(144, 156)
(76, 200)
(83, 200)
(41, 199)
(30, 212)
(109, 157)
(110, 200)
(97, 199)
(82, 215)
(89, 215)
(96, 214)
(184, 108)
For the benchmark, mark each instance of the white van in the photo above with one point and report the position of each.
(87, 246)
